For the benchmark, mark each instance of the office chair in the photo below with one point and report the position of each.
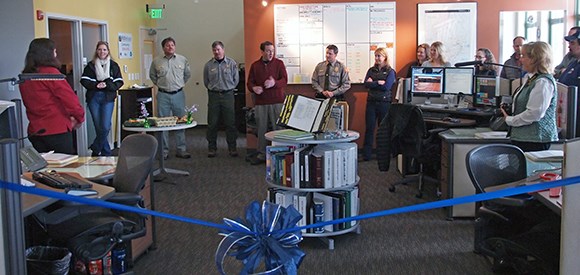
(505, 228)
(91, 232)
(403, 131)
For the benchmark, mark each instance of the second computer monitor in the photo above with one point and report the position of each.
(486, 91)
(458, 81)
(427, 81)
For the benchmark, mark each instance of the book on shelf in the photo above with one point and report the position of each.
(305, 114)
(292, 134)
(338, 117)
(545, 156)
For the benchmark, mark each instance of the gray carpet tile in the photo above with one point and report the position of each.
(412, 243)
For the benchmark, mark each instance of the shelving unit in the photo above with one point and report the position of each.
(345, 189)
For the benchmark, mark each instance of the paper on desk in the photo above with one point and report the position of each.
(59, 158)
(546, 155)
(491, 135)
(26, 182)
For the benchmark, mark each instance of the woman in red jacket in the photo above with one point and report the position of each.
(51, 105)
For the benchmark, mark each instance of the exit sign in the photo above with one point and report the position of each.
(156, 13)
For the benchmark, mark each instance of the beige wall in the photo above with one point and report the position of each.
(194, 26)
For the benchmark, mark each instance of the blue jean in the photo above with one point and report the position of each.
(172, 105)
(101, 111)
(375, 112)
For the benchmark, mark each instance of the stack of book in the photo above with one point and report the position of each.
(58, 159)
(546, 156)
(291, 134)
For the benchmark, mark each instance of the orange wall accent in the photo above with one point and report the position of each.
(259, 26)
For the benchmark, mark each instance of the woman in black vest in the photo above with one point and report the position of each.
(379, 81)
(102, 78)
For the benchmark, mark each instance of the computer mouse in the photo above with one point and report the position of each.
(446, 118)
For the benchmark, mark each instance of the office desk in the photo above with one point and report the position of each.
(33, 203)
(481, 116)
(462, 122)
(159, 133)
(97, 169)
(455, 182)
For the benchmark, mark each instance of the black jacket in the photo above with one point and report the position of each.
(401, 131)
(89, 81)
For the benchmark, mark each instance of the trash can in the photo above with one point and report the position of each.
(42, 260)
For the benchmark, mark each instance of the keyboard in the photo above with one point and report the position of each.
(60, 181)
(434, 115)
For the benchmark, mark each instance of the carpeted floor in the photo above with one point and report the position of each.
(412, 243)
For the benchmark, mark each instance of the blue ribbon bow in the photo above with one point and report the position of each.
(258, 238)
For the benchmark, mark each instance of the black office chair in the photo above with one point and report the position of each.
(403, 131)
(505, 228)
(91, 232)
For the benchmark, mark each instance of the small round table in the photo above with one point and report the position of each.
(159, 134)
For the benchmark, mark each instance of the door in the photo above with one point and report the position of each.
(75, 41)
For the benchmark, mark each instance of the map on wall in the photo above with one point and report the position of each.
(454, 24)
(302, 32)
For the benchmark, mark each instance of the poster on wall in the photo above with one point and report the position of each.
(302, 32)
(454, 24)
(125, 45)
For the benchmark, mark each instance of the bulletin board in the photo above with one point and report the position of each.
(454, 24)
(302, 32)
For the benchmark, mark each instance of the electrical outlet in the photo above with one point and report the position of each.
(11, 87)
(125, 68)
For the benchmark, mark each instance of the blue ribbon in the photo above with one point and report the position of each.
(253, 240)
(269, 231)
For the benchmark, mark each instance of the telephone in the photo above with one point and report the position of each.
(31, 160)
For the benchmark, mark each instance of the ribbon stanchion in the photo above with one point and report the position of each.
(269, 232)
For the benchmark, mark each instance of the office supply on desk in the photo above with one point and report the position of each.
(491, 134)
(81, 192)
(59, 159)
(60, 180)
(31, 160)
(546, 155)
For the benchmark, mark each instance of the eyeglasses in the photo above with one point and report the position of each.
(479, 57)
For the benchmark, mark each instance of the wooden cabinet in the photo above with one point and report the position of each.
(141, 245)
(130, 104)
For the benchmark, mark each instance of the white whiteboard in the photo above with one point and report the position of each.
(454, 24)
(302, 32)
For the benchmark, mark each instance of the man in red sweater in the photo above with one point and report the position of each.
(267, 81)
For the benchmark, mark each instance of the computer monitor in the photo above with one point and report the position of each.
(427, 82)
(486, 91)
(458, 80)
(8, 120)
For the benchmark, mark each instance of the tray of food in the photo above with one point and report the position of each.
(164, 121)
(136, 122)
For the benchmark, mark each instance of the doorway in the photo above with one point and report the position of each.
(75, 41)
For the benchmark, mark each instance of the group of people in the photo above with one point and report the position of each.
(52, 107)
(54, 112)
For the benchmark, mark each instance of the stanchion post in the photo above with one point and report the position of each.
(11, 209)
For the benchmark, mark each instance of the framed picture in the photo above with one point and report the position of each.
(454, 24)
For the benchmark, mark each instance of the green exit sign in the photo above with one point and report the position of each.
(156, 13)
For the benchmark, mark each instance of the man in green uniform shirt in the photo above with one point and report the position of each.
(330, 78)
(170, 72)
(221, 77)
